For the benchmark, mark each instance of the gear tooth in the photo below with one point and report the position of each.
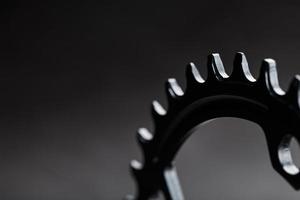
(193, 76)
(215, 68)
(269, 78)
(293, 93)
(157, 111)
(144, 136)
(136, 167)
(173, 90)
(241, 69)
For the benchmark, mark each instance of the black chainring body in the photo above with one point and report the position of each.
(238, 95)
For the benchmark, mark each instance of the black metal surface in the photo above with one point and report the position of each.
(220, 95)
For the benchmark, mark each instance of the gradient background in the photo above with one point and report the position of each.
(77, 79)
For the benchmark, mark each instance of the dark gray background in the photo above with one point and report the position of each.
(77, 79)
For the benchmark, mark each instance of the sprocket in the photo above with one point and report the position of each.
(220, 95)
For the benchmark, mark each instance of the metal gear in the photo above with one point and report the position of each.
(220, 95)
